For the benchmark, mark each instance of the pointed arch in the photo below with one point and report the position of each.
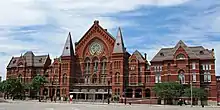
(64, 79)
(95, 64)
(94, 79)
(87, 65)
(117, 77)
(103, 64)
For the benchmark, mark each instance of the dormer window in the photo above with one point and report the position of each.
(40, 61)
(201, 52)
(161, 54)
(14, 61)
(180, 56)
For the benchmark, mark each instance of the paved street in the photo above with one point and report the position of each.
(19, 105)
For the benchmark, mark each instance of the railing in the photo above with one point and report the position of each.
(84, 84)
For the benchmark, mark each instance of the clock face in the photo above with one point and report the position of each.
(95, 48)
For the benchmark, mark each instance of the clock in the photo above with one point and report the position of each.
(95, 48)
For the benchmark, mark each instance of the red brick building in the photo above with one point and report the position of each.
(27, 66)
(218, 89)
(185, 64)
(99, 62)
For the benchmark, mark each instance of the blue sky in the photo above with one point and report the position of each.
(43, 25)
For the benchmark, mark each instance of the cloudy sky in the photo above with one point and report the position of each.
(42, 25)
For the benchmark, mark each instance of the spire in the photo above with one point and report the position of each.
(119, 44)
(68, 47)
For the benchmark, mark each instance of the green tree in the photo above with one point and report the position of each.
(168, 91)
(197, 93)
(38, 83)
(11, 87)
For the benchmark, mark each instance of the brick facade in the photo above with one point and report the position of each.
(100, 62)
(218, 89)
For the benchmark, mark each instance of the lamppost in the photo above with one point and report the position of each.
(108, 91)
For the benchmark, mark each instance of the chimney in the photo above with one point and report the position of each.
(96, 22)
(145, 56)
(213, 53)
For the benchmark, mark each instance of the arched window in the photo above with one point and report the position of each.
(96, 63)
(87, 66)
(117, 77)
(103, 64)
(103, 79)
(133, 60)
(181, 77)
(55, 79)
(64, 78)
(180, 56)
(94, 79)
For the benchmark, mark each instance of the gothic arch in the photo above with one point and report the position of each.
(64, 78)
(95, 59)
(117, 77)
(106, 47)
(94, 79)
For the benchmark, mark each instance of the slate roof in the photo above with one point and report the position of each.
(68, 47)
(139, 57)
(119, 44)
(30, 59)
(196, 52)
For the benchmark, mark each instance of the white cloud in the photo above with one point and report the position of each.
(61, 16)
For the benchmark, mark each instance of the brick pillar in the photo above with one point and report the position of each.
(143, 93)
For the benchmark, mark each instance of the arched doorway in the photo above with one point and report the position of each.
(129, 93)
(147, 93)
(138, 93)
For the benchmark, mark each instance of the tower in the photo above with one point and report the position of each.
(119, 65)
(67, 67)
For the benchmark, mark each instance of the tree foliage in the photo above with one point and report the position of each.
(168, 90)
(197, 93)
(37, 83)
(11, 87)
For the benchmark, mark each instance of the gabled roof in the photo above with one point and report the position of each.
(68, 47)
(197, 52)
(138, 55)
(96, 23)
(119, 44)
(30, 59)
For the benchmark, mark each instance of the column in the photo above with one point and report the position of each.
(85, 96)
(94, 97)
(103, 97)
(77, 96)
(133, 94)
